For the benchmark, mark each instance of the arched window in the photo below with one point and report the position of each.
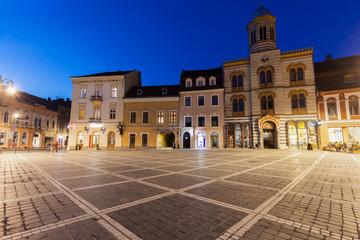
(263, 103)
(331, 106)
(39, 122)
(47, 123)
(267, 103)
(80, 137)
(234, 82)
(240, 81)
(354, 105)
(268, 76)
(302, 100)
(262, 77)
(300, 74)
(6, 117)
(3, 138)
(293, 75)
(53, 124)
(270, 102)
(294, 101)
(15, 139)
(24, 139)
(241, 105)
(235, 105)
(36, 122)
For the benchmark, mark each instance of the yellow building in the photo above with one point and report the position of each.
(26, 120)
(151, 117)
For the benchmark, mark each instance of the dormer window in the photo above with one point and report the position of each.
(139, 92)
(212, 81)
(164, 91)
(200, 82)
(188, 83)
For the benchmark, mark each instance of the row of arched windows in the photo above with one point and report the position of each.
(296, 75)
(353, 106)
(4, 139)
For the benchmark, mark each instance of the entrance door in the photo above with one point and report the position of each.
(186, 140)
(214, 140)
(96, 140)
(36, 140)
(132, 141)
(269, 135)
(111, 140)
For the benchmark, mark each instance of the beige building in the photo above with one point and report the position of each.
(338, 94)
(26, 121)
(151, 117)
(201, 106)
(270, 99)
(97, 109)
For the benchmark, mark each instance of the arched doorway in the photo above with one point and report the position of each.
(165, 139)
(214, 139)
(3, 135)
(79, 140)
(95, 139)
(200, 140)
(269, 135)
(186, 140)
(111, 140)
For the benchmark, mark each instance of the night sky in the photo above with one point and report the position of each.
(43, 43)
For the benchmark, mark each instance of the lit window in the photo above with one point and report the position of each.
(97, 112)
(98, 92)
(172, 116)
(83, 93)
(114, 92)
(81, 113)
(354, 105)
(160, 117)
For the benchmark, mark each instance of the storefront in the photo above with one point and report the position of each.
(354, 135)
(302, 133)
(238, 135)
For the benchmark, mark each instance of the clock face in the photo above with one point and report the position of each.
(265, 58)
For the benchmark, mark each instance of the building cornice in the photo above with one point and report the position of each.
(152, 99)
(297, 53)
(348, 90)
(205, 90)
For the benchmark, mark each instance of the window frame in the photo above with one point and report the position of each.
(113, 94)
(217, 100)
(211, 120)
(171, 117)
(159, 116)
(191, 122)
(201, 116)
(203, 102)
(143, 117)
(133, 117)
(185, 101)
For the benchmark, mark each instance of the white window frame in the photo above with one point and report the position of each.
(200, 79)
(185, 101)
(191, 120)
(112, 107)
(218, 97)
(211, 120)
(115, 95)
(188, 80)
(212, 78)
(142, 117)
(81, 90)
(204, 120)
(130, 117)
(198, 100)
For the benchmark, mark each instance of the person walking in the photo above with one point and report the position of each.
(56, 146)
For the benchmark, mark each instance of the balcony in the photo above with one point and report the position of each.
(94, 120)
(96, 99)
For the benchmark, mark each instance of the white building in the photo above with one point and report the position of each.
(270, 98)
(97, 109)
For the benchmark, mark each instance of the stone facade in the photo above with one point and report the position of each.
(274, 88)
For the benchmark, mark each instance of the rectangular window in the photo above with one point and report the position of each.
(97, 112)
(83, 93)
(132, 117)
(112, 113)
(114, 92)
(144, 140)
(145, 117)
(214, 100)
(81, 112)
(98, 92)
(212, 82)
(172, 116)
(187, 101)
(214, 121)
(201, 101)
(201, 121)
(332, 109)
(188, 121)
(160, 117)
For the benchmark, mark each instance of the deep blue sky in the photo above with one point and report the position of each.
(43, 43)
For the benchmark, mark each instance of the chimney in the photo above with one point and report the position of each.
(139, 78)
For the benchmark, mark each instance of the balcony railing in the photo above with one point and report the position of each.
(94, 120)
(96, 98)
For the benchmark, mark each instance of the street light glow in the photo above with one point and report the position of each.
(16, 115)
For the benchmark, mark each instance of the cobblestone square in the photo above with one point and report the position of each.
(178, 194)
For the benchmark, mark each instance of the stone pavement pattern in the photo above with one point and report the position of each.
(176, 194)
